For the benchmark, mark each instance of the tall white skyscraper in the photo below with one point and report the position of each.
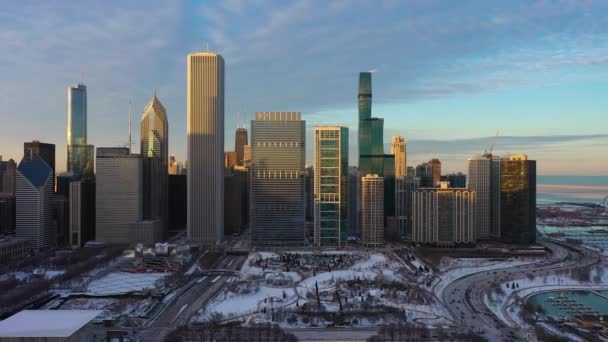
(372, 210)
(205, 126)
(398, 149)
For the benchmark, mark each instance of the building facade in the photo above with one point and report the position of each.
(443, 217)
(240, 140)
(34, 202)
(518, 199)
(330, 185)
(372, 211)
(277, 184)
(45, 151)
(405, 186)
(8, 174)
(154, 152)
(205, 126)
(82, 212)
(424, 171)
(118, 194)
(398, 149)
(480, 181)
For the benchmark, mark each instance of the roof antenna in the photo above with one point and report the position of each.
(81, 75)
(130, 115)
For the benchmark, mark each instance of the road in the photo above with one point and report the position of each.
(192, 297)
(464, 297)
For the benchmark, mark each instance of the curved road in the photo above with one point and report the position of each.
(464, 297)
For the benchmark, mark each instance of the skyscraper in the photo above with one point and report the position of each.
(82, 212)
(229, 161)
(353, 200)
(205, 111)
(34, 202)
(80, 155)
(8, 174)
(118, 194)
(372, 159)
(424, 171)
(154, 151)
(398, 149)
(330, 185)
(443, 217)
(172, 166)
(240, 140)
(518, 199)
(436, 165)
(480, 181)
(277, 186)
(45, 151)
(372, 211)
(405, 186)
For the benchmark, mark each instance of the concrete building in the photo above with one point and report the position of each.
(154, 152)
(404, 190)
(240, 140)
(443, 217)
(49, 326)
(34, 202)
(118, 194)
(82, 212)
(13, 248)
(277, 186)
(518, 199)
(372, 211)
(45, 151)
(398, 149)
(205, 126)
(330, 185)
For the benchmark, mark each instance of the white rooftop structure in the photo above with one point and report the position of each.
(46, 323)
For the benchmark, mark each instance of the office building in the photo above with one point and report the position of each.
(404, 189)
(372, 211)
(246, 155)
(411, 171)
(61, 220)
(146, 232)
(80, 155)
(34, 202)
(372, 159)
(229, 161)
(443, 217)
(456, 180)
(13, 248)
(424, 171)
(233, 202)
(398, 149)
(518, 199)
(7, 213)
(309, 192)
(154, 151)
(178, 199)
(45, 151)
(240, 140)
(330, 185)
(205, 126)
(82, 212)
(277, 187)
(480, 181)
(8, 174)
(436, 166)
(81, 160)
(118, 194)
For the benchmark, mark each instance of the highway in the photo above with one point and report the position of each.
(190, 298)
(464, 297)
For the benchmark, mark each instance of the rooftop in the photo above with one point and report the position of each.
(46, 323)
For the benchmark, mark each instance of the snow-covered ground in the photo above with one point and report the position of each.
(124, 282)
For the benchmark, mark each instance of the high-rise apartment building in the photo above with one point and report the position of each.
(80, 155)
(398, 149)
(277, 185)
(443, 217)
(240, 140)
(34, 202)
(405, 186)
(480, 181)
(154, 152)
(372, 211)
(330, 185)
(82, 212)
(205, 126)
(45, 151)
(118, 194)
(518, 199)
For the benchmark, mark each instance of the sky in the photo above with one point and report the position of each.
(448, 75)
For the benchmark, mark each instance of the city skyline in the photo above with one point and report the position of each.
(523, 69)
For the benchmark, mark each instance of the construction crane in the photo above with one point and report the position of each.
(489, 154)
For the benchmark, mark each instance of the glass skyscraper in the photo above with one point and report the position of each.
(330, 185)
(80, 155)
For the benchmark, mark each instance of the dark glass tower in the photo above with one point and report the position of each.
(80, 155)
(518, 199)
(372, 159)
(45, 151)
(239, 145)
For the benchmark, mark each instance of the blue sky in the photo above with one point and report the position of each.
(449, 74)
